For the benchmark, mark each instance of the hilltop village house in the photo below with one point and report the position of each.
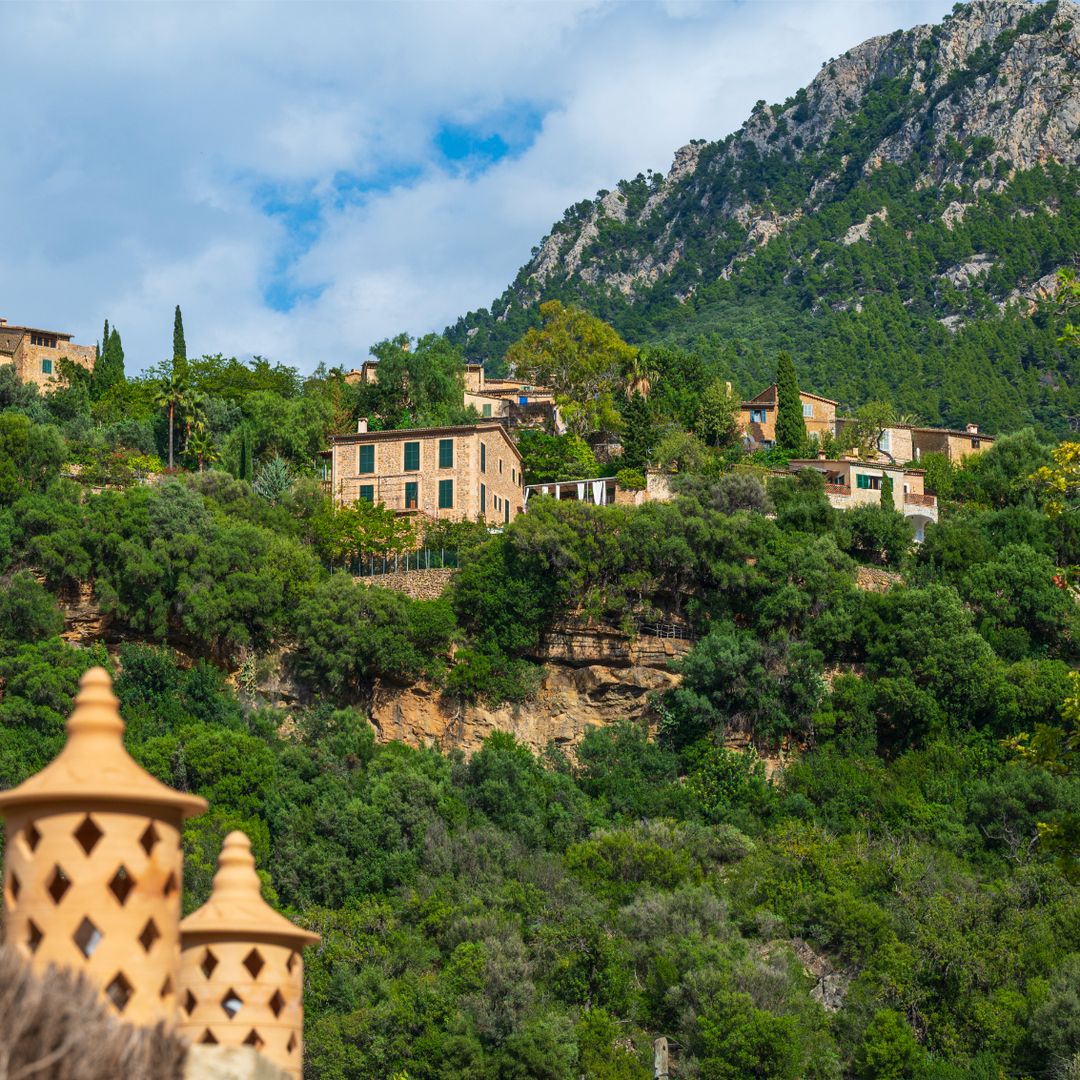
(900, 443)
(757, 417)
(36, 354)
(515, 403)
(850, 483)
(468, 472)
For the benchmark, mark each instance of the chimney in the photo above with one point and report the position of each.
(973, 429)
(361, 426)
(821, 455)
(3, 322)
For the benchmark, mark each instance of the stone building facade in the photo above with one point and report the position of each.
(902, 443)
(36, 354)
(466, 472)
(757, 417)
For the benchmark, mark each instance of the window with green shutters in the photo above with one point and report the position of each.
(506, 511)
(412, 495)
(446, 453)
(367, 458)
(446, 494)
(871, 483)
(487, 411)
(367, 492)
(483, 498)
(412, 457)
(483, 457)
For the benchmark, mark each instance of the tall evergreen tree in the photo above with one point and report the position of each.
(887, 492)
(109, 369)
(639, 432)
(104, 339)
(245, 469)
(179, 345)
(790, 427)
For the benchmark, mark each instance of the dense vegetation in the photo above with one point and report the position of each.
(517, 915)
(863, 319)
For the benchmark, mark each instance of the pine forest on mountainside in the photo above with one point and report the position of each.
(863, 318)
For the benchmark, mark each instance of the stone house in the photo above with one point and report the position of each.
(901, 443)
(36, 354)
(850, 482)
(757, 417)
(519, 404)
(466, 472)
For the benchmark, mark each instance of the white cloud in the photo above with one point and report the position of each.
(141, 158)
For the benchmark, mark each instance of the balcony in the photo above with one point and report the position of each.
(912, 499)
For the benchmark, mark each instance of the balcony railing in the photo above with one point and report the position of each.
(837, 489)
(913, 499)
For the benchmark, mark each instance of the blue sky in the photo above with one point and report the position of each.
(305, 180)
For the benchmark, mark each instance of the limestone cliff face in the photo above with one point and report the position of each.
(996, 78)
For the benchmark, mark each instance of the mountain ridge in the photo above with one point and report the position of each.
(959, 141)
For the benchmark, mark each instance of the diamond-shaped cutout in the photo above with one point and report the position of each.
(170, 885)
(166, 988)
(291, 962)
(232, 1003)
(253, 1038)
(291, 1045)
(209, 962)
(14, 887)
(149, 838)
(31, 836)
(189, 1003)
(88, 938)
(33, 936)
(121, 884)
(254, 963)
(88, 834)
(149, 934)
(119, 991)
(58, 884)
(277, 1003)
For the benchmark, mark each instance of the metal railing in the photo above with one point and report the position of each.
(404, 563)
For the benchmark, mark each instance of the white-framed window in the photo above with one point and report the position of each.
(807, 410)
(884, 443)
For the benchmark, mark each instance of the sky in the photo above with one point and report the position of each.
(308, 179)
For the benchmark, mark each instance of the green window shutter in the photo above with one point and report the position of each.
(412, 456)
(487, 411)
(367, 458)
(483, 457)
(446, 494)
(506, 511)
(446, 453)
(412, 495)
(483, 498)
(46, 367)
(367, 492)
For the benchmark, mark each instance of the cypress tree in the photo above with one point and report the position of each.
(109, 369)
(639, 433)
(104, 339)
(179, 345)
(245, 469)
(887, 492)
(790, 427)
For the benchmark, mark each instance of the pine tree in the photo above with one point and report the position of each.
(887, 492)
(179, 345)
(109, 369)
(639, 433)
(790, 427)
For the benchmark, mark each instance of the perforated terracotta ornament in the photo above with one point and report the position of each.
(241, 968)
(93, 866)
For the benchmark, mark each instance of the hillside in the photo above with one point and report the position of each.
(893, 224)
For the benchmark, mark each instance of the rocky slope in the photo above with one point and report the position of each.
(921, 139)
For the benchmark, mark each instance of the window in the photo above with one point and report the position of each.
(975, 444)
(487, 411)
(483, 457)
(884, 441)
(412, 495)
(758, 416)
(367, 458)
(367, 493)
(446, 494)
(446, 454)
(46, 369)
(807, 410)
(867, 483)
(483, 498)
(506, 511)
(46, 341)
(513, 476)
(412, 456)
(500, 466)
(523, 399)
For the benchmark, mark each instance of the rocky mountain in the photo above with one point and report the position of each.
(905, 211)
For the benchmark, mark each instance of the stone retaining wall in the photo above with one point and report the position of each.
(415, 584)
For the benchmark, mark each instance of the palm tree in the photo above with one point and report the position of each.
(201, 444)
(171, 395)
(640, 375)
(194, 412)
